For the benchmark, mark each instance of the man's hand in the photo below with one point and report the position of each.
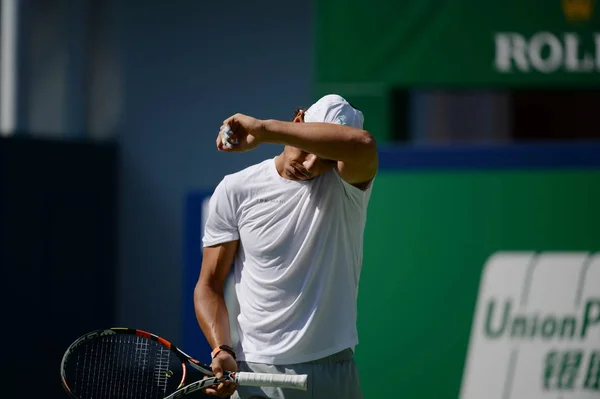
(246, 133)
(222, 362)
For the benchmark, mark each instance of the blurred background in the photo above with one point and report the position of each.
(484, 219)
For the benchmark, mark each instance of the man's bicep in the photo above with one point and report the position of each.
(358, 174)
(216, 263)
(222, 221)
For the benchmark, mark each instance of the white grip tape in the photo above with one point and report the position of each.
(273, 380)
(226, 134)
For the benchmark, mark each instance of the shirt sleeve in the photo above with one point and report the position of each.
(221, 222)
(358, 198)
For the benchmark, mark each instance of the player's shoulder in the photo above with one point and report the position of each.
(357, 196)
(248, 172)
(242, 178)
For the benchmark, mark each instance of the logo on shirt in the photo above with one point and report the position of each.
(266, 200)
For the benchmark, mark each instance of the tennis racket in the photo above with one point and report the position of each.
(126, 363)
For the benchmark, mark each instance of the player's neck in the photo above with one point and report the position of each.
(280, 165)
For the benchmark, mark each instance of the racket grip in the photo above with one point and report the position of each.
(273, 380)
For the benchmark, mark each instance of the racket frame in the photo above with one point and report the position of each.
(183, 357)
(186, 360)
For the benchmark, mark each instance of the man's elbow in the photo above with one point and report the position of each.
(365, 140)
(206, 287)
(368, 146)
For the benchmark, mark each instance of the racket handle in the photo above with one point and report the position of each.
(273, 380)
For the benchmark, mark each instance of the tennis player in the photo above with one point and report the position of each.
(292, 227)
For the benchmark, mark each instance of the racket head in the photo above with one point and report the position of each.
(124, 362)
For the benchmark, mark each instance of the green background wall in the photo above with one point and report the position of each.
(428, 236)
(366, 50)
(461, 42)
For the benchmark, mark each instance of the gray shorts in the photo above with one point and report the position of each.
(333, 377)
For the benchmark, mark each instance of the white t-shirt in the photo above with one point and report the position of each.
(297, 269)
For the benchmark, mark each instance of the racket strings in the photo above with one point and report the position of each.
(162, 369)
(123, 366)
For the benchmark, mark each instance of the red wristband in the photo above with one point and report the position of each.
(221, 348)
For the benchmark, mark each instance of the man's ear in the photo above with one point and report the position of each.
(299, 118)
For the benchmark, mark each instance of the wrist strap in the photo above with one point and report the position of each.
(221, 348)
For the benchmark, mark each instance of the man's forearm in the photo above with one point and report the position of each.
(212, 315)
(326, 140)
